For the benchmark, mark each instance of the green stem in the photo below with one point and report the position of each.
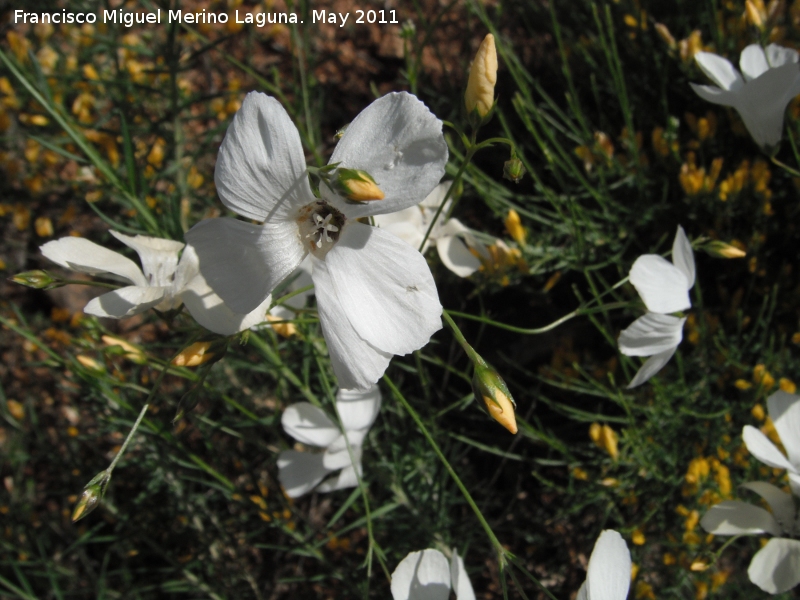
(473, 356)
(785, 167)
(128, 439)
(502, 554)
(456, 179)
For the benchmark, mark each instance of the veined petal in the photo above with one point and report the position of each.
(763, 449)
(651, 334)
(459, 578)
(733, 517)
(358, 409)
(609, 574)
(719, 70)
(300, 472)
(356, 363)
(346, 478)
(261, 167)
(781, 503)
(663, 287)
(309, 424)
(651, 366)
(422, 575)
(777, 56)
(715, 95)
(385, 288)
(159, 256)
(243, 262)
(776, 567)
(211, 312)
(125, 302)
(683, 256)
(763, 101)
(81, 255)
(753, 62)
(784, 410)
(455, 255)
(399, 142)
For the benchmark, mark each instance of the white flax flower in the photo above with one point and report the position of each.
(664, 288)
(375, 294)
(760, 93)
(412, 223)
(608, 575)
(162, 283)
(775, 568)
(302, 472)
(426, 575)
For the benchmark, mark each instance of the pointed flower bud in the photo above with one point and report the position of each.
(482, 77)
(488, 385)
(38, 280)
(356, 185)
(664, 34)
(756, 13)
(92, 494)
(515, 228)
(282, 327)
(605, 438)
(200, 352)
(513, 169)
(719, 249)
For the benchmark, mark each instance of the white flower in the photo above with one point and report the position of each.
(412, 223)
(768, 82)
(426, 575)
(163, 282)
(375, 295)
(301, 472)
(664, 288)
(608, 575)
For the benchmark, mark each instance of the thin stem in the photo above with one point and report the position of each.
(460, 172)
(785, 167)
(128, 439)
(474, 356)
(502, 554)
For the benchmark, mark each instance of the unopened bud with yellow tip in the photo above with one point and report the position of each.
(719, 249)
(200, 353)
(488, 385)
(356, 185)
(38, 280)
(281, 326)
(756, 13)
(93, 493)
(482, 77)
(515, 228)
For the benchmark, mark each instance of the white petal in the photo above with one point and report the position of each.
(683, 256)
(651, 366)
(459, 579)
(423, 575)
(435, 198)
(784, 410)
(346, 478)
(300, 472)
(663, 287)
(776, 567)
(715, 95)
(337, 456)
(309, 424)
(358, 409)
(763, 101)
(608, 576)
(719, 70)
(243, 262)
(763, 449)
(211, 312)
(781, 503)
(651, 334)
(125, 302)
(456, 256)
(385, 288)
(778, 56)
(753, 62)
(356, 363)
(300, 279)
(261, 167)
(159, 257)
(399, 142)
(733, 517)
(583, 592)
(406, 224)
(81, 255)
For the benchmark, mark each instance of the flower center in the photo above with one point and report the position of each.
(320, 226)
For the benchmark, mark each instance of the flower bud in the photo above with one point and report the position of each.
(719, 249)
(513, 169)
(188, 402)
(282, 327)
(665, 35)
(356, 185)
(515, 228)
(92, 494)
(128, 350)
(488, 385)
(38, 280)
(482, 77)
(605, 438)
(200, 352)
(756, 13)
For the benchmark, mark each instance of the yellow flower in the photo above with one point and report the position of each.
(605, 438)
(43, 226)
(482, 77)
(638, 537)
(787, 385)
(515, 228)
